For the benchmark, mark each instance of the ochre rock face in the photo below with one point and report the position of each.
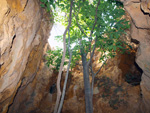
(111, 93)
(23, 28)
(140, 30)
(25, 80)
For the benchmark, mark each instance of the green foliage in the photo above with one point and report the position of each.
(46, 4)
(110, 26)
(54, 58)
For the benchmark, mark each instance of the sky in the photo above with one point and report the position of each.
(57, 30)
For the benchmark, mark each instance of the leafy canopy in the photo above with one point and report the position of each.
(91, 27)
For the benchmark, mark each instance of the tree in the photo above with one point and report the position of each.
(95, 25)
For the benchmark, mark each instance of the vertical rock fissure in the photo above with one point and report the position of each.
(12, 42)
(14, 97)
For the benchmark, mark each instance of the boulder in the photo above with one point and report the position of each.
(140, 30)
(24, 29)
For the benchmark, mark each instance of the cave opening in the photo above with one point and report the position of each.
(131, 72)
(134, 78)
(52, 89)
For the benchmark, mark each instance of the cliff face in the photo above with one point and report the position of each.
(24, 29)
(26, 84)
(112, 93)
(140, 30)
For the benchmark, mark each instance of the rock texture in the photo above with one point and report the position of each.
(28, 86)
(112, 94)
(24, 29)
(140, 30)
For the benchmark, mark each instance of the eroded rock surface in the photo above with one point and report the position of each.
(140, 30)
(112, 94)
(24, 29)
(25, 81)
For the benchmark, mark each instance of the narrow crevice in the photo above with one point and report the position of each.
(145, 13)
(52, 89)
(135, 41)
(139, 69)
(25, 4)
(14, 97)
(12, 42)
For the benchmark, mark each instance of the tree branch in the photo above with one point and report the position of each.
(92, 54)
(100, 67)
(66, 78)
(63, 59)
(80, 26)
(93, 77)
(95, 19)
(95, 22)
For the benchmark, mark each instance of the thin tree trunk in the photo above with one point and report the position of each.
(87, 88)
(64, 88)
(66, 78)
(93, 77)
(62, 60)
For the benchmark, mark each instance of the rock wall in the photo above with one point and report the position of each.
(139, 11)
(111, 93)
(25, 81)
(35, 84)
(24, 29)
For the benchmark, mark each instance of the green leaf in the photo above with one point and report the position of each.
(42, 0)
(42, 5)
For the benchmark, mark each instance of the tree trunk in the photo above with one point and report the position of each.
(62, 60)
(64, 88)
(87, 88)
(66, 78)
